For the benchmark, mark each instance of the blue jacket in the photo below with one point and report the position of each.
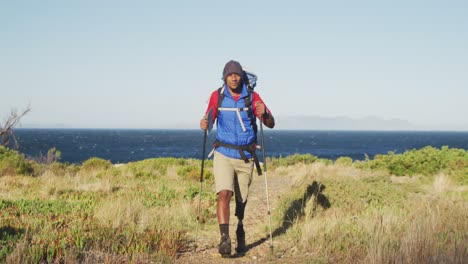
(229, 127)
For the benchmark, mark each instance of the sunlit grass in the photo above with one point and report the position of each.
(138, 211)
(334, 211)
(338, 213)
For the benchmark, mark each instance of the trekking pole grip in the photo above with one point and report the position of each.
(203, 155)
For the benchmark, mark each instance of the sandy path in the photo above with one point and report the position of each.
(255, 225)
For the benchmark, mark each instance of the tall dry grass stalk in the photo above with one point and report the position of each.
(438, 233)
(51, 184)
(120, 212)
(303, 173)
(442, 183)
(130, 211)
(179, 216)
(15, 187)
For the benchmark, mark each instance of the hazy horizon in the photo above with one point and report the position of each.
(370, 123)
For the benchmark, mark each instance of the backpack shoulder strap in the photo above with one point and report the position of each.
(248, 103)
(220, 98)
(248, 100)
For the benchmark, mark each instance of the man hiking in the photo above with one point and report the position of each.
(235, 106)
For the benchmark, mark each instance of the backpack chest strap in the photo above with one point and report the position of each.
(247, 108)
(234, 109)
(237, 110)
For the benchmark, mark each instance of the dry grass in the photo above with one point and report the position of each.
(387, 219)
(130, 212)
(148, 212)
(121, 212)
(442, 183)
(105, 215)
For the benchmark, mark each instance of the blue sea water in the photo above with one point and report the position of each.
(125, 145)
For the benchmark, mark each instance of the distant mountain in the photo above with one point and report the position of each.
(342, 123)
(304, 122)
(35, 125)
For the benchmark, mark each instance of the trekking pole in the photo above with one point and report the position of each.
(266, 183)
(201, 185)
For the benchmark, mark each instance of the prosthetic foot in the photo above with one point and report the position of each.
(241, 247)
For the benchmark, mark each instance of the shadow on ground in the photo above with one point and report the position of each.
(296, 210)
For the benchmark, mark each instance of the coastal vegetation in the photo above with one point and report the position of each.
(384, 210)
(410, 208)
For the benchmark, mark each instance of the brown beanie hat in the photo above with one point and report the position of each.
(231, 67)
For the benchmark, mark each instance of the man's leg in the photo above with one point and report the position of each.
(222, 210)
(242, 183)
(224, 181)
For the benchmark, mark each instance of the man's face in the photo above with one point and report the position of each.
(233, 81)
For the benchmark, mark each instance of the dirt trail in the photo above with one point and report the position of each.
(255, 225)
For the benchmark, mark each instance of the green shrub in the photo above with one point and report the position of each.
(156, 166)
(53, 156)
(208, 176)
(344, 161)
(144, 174)
(209, 163)
(12, 162)
(426, 161)
(293, 159)
(58, 168)
(190, 172)
(325, 161)
(96, 164)
(73, 169)
(163, 197)
(115, 172)
(194, 171)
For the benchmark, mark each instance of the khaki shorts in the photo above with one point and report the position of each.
(233, 174)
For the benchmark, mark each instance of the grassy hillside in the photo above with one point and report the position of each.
(410, 208)
(97, 212)
(371, 212)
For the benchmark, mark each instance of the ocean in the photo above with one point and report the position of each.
(126, 145)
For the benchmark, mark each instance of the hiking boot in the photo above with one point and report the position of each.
(241, 247)
(224, 247)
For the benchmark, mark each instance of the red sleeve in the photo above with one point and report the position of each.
(256, 98)
(213, 104)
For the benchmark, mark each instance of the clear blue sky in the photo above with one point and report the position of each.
(153, 64)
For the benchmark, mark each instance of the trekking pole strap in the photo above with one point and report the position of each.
(257, 163)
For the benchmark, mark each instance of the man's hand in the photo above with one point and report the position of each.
(261, 112)
(204, 123)
(259, 109)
